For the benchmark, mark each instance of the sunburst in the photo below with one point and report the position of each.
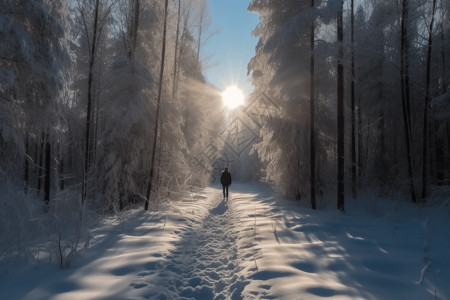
(232, 97)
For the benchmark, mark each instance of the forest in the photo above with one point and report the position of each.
(98, 100)
(362, 95)
(104, 107)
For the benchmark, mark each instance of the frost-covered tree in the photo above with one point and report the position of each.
(33, 59)
(380, 55)
(128, 113)
(91, 19)
(200, 104)
(79, 87)
(281, 63)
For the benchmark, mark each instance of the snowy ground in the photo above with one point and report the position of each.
(253, 246)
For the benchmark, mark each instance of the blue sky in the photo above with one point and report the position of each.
(228, 52)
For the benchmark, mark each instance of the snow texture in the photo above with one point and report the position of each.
(252, 246)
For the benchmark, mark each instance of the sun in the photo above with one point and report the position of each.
(232, 97)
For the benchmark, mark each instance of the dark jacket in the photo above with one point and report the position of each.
(225, 179)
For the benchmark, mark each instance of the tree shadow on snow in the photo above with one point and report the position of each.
(359, 254)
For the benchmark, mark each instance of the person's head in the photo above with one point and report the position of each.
(226, 169)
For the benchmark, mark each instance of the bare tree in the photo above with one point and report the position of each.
(48, 157)
(93, 40)
(340, 108)
(158, 105)
(26, 173)
(427, 103)
(41, 160)
(312, 116)
(202, 25)
(352, 95)
(175, 58)
(92, 56)
(441, 166)
(133, 27)
(404, 73)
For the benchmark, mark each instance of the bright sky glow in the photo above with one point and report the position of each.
(225, 56)
(232, 97)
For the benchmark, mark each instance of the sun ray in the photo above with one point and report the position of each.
(232, 97)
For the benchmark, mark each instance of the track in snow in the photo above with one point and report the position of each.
(205, 262)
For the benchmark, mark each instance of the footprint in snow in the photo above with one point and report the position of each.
(205, 261)
(138, 285)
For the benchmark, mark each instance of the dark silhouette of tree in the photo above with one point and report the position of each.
(340, 109)
(352, 95)
(312, 116)
(404, 73)
(158, 105)
(426, 105)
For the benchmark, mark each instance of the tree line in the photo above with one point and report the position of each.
(362, 90)
(103, 105)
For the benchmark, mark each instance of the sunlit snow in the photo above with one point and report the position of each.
(253, 246)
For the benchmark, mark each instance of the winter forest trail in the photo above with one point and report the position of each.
(253, 246)
(205, 263)
(217, 253)
(199, 249)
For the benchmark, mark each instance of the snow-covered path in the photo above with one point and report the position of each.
(205, 262)
(253, 246)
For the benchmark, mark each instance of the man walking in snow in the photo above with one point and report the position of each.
(225, 180)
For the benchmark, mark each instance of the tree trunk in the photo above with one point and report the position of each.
(199, 38)
(26, 172)
(95, 122)
(425, 110)
(312, 117)
(175, 59)
(442, 174)
(133, 28)
(89, 104)
(136, 24)
(383, 168)
(360, 145)
(447, 174)
(61, 167)
(95, 114)
(436, 159)
(352, 92)
(340, 110)
(405, 95)
(47, 169)
(201, 25)
(444, 67)
(40, 166)
(158, 104)
(158, 177)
